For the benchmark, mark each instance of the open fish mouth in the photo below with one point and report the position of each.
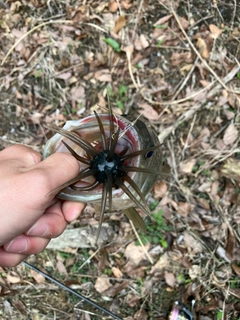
(120, 161)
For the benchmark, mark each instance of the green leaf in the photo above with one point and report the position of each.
(113, 43)
(159, 43)
(161, 26)
(122, 90)
(120, 105)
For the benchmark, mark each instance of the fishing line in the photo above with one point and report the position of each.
(63, 286)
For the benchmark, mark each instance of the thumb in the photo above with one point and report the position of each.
(54, 171)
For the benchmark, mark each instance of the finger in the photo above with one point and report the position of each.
(27, 156)
(26, 245)
(51, 224)
(54, 171)
(72, 210)
(10, 259)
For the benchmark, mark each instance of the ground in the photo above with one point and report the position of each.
(176, 64)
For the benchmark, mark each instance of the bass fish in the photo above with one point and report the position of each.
(120, 161)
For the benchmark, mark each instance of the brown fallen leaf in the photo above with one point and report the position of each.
(115, 289)
(136, 253)
(117, 272)
(187, 166)
(119, 24)
(37, 277)
(184, 208)
(202, 46)
(103, 75)
(61, 267)
(192, 243)
(113, 6)
(230, 135)
(13, 277)
(160, 189)
(163, 20)
(102, 284)
(148, 112)
(170, 278)
(215, 31)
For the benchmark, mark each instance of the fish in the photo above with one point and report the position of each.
(120, 160)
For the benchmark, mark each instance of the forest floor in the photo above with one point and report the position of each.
(178, 65)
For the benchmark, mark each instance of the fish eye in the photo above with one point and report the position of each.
(149, 154)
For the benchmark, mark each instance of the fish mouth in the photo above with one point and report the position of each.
(115, 156)
(88, 129)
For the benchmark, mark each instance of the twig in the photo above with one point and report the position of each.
(140, 241)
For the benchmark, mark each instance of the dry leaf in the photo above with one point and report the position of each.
(61, 267)
(148, 111)
(136, 253)
(103, 75)
(13, 277)
(170, 278)
(119, 24)
(37, 277)
(113, 6)
(186, 167)
(36, 117)
(192, 243)
(144, 41)
(163, 20)
(77, 93)
(230, 134)
(184, 208)
(102, 284)
(160, 189)
(202, 46)
(215, 31)
(184, 23)
(162, 263)
(116, 288)
(117, 272)
(195, 272)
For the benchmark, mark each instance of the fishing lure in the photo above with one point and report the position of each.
(120, 160)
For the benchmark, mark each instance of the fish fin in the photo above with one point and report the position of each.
(134, 216)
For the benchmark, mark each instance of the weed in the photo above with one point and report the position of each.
(120, 97)
(159, 43)
(220, 315)
(161, 26)
(155, 234)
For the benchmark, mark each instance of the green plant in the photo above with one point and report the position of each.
(220, 315)
(159, 43)
(113, 43)
(161, 26)
(155, 231)
(120, 97)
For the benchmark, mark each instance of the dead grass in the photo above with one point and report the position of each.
(179, 65)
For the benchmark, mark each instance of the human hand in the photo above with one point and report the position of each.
(29, 217)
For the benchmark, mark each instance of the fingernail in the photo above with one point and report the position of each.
(39, 229)
(19, 244)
